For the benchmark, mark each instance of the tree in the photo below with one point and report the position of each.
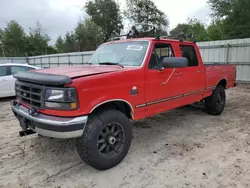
(70, 42)
(215, 31)
(198, 29)
(106, 14)
(60, 45)
(1, 43)
(51, 50)
(144, 13)
(234, 15)
(1, 34)
(88, 35)
(194, 27)
(13, 40)
(182, 27)
(38, 41)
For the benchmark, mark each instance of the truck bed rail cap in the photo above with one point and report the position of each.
(43, 78)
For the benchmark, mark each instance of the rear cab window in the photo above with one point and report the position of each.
(189, 52)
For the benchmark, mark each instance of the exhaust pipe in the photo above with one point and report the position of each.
(26, 133)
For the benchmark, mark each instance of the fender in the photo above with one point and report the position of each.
(114, 100)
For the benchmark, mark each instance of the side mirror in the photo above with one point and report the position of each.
(175, 62)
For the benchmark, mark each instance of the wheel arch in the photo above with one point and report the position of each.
(119, 104)
(223, 82)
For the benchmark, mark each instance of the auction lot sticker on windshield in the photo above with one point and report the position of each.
(134, 47)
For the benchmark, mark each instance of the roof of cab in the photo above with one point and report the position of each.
(148, 39)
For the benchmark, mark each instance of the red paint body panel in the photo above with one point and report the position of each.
(215, 73)
(158, 91)
(79, 71)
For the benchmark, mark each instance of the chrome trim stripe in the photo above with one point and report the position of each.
(210, 87)
(164, 100)
(170, 98)
(140, 106)
(194, 92)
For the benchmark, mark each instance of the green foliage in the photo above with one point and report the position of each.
(234, 16)
(1, 35)
(106, 14)
(231, 19)
(1, 43)
(144, 13)
(195, 27)
(198, 29)
(37, 41)
(70, 42)
(13, 40)
(182, 27)
(51, 50)
(215, 31)
(88, 34)
(60, 45)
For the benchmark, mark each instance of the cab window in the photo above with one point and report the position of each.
(189, 53)
(161, 51)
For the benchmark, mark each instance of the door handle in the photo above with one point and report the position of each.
(178, 74)
(200, 71)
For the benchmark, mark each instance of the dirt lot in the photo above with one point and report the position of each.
(182, 148)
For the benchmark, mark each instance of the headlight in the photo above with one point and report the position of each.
(61, 99)
(54, 95)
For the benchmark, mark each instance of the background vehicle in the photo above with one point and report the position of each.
(123, 80)
(7, 81)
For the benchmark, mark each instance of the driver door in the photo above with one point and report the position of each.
(163, 87)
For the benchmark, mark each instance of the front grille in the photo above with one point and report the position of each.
(30, 94)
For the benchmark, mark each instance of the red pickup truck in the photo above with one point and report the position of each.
(124, 80)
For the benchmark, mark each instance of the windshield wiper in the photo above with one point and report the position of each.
(110, 63)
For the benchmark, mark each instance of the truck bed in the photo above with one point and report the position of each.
(217, 72)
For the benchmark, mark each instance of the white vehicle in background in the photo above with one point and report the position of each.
(7, 81)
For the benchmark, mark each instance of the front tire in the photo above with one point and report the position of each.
(106, 139)
(215, 104)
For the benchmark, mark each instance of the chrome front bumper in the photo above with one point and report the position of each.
(49, 126)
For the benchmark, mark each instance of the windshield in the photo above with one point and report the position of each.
(124, 53)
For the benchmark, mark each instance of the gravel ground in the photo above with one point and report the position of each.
(182, 148)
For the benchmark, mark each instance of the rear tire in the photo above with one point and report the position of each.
(215, 104)
(106, 139)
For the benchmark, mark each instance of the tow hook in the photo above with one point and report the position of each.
(26, 133)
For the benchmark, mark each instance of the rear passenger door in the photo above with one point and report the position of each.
(193, 75)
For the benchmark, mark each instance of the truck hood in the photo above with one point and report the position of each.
(81, 71)
(64, 75)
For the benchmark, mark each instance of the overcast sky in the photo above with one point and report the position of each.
(59, 16)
